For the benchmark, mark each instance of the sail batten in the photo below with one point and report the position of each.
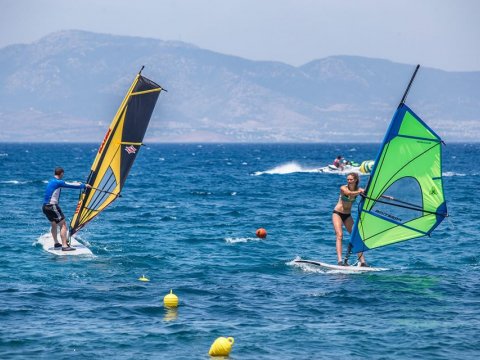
(395, 223)
(404, 198)
(117, 152)
(407, 205)
(146, 91)
(417, 138)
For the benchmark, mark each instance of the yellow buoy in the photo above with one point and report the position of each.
(143, 278)
(170, 300)
(221, 347)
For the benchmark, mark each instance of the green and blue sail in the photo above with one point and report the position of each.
(404, 198)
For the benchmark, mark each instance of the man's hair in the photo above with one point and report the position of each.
(59, 170)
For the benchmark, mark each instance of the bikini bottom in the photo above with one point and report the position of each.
(342, 215)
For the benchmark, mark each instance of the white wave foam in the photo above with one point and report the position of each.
(199, 192)
(169, 218)
(452, 173)
(288, 168)
(14, 182)
(231, 240)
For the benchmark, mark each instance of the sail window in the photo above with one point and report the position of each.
(105, 188)
(401, 202)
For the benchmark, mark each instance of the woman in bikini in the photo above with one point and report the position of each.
(342, 213)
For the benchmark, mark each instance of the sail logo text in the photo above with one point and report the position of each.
(388, 215)
(424, 142)
(131, 149)
(104, 140)
(78, 206)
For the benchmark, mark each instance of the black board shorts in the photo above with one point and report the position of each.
(53, 212)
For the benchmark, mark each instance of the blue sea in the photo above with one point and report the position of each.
(187, 221)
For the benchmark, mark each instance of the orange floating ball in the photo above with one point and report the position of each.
(261, 233)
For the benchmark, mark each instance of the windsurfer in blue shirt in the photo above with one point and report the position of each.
(52, 210)
(342, 214)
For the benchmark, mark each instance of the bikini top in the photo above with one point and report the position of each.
(346, 198)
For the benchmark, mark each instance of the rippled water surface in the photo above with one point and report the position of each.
(187, 221)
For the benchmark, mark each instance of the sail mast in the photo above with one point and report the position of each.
(408, 87)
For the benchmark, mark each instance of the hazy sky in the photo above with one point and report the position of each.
(444, 34)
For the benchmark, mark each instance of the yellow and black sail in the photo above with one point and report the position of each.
(117, 152)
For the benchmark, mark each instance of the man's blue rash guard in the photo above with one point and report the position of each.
(52, 192)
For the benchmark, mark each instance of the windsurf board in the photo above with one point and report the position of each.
(48, 245)
(348, 268)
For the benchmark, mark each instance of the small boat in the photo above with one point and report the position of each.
(364, 168)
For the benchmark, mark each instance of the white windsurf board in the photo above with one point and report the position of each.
(349, 268)
(48, 245)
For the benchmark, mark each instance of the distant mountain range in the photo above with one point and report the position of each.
(68, 85)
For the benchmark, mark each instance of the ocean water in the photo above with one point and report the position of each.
(187, 221)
